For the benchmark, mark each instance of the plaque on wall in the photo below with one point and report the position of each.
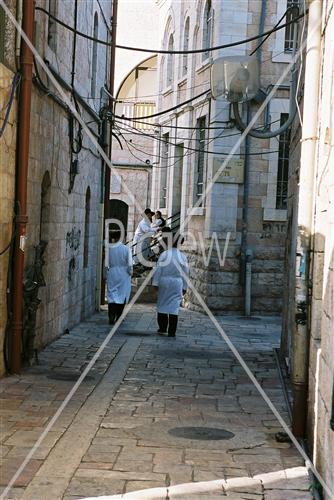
(115, 184)
(233, 172)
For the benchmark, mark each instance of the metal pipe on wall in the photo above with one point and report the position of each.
(111, 105)
(246, 253)
(23, 133)
(300, 340)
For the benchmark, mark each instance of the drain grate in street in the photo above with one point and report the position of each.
(189, 353)
(68, 377)
(201, 433)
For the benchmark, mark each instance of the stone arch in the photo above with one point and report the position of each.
(129, 201)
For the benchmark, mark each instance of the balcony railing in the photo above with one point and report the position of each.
(137, 110)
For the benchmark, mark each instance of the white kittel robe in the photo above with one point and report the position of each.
(119, 273)
(169, 279)
(141, 240)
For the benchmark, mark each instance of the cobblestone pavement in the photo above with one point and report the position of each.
(177, 418)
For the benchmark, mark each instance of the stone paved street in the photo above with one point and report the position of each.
(177, 418)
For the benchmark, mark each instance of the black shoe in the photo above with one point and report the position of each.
(171, 335)
(160, 332)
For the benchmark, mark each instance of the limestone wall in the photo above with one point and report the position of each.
(7, 170)
(222, 211)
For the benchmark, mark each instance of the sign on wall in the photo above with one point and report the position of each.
(232, 173)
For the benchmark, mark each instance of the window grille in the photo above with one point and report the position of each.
(164, 171)
(185, 48)
(207, 27)
(283, 166)
(144, 109)
(170, 62)
(94, 56)
(199, 178)
(289, 30)
(52, 26)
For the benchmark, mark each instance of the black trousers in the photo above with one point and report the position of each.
(167, 323)
(114, 311)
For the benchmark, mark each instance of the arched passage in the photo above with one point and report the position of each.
(119, 210)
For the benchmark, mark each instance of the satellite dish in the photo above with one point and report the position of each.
(235, 78)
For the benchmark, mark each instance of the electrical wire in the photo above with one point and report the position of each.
(15, 82)
(196, 150)
(166, 110)
(193, 51)
(135, 131)
(293, 7)
(157, 95)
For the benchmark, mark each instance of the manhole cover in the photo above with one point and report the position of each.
(201, 433)
(189, 353)
(137, 333)
(68, 377)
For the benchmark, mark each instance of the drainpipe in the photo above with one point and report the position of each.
(21, 185)
(111, 106)
(247, 253)
(300, 340)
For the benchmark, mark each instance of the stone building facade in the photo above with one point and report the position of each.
(65, 175)
(196, 138)
(311, 189)
(65, 180)
(7, 161)
(136, 93)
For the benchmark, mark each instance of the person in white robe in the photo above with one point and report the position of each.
(159, 222)
(142, 238)
(170, 281)
(119, 272)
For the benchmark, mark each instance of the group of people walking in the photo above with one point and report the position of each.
(169, 278)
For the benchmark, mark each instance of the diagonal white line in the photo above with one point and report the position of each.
(69, 103)
(55, 417)
(252, 122)
(252, 377)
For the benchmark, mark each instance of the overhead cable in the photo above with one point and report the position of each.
(158, 51)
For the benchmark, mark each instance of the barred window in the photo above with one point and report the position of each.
(283, 166)
(52, 25)
(164, 171)
(170, 65)
(289, 30)
(185, 47)
(199, 173)
(94, 56)
(207, 27)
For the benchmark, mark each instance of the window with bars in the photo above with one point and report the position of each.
(94, 56)
(52, 26)
(283, 166)
(185, 47)
(199, 173)
(289, 30)
(207, 28)
(170, 65)
(164, 171)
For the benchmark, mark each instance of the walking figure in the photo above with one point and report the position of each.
(170, 281)
(119, 274)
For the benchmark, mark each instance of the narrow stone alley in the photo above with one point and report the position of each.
(177, 418)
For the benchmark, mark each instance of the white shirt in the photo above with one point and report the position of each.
(170, 276)
(119, 273)
(143, 229)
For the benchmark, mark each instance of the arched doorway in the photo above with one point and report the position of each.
(119, 210)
